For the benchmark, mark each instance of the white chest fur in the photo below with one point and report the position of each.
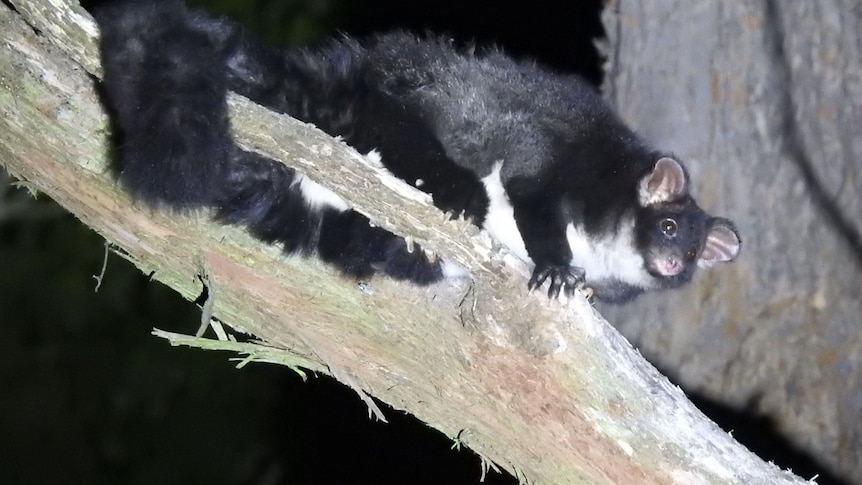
(500, 220)
(609, 257)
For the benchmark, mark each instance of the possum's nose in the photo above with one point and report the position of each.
(670, 266)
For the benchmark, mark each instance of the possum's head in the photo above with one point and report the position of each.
(673, 234)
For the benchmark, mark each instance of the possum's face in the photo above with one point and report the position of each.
(671, 237)
(673, 234)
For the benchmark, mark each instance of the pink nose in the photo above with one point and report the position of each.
(671, 266)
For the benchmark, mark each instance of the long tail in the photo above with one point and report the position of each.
(167, 72)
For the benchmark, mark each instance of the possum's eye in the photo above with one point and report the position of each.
(668, 227)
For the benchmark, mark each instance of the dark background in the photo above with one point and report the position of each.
(90, 397)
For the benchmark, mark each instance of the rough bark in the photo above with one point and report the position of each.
(762, 98)
(549, 392)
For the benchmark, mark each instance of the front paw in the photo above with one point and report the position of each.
(462, 200)
(562, 278)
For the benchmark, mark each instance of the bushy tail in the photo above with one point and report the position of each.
(165, 81)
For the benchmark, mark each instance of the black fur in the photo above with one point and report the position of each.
(167, 72)
(442, 118)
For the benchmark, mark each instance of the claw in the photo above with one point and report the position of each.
(554, 288)
(563, 279)
(569, 288)
(452, 216)
(538, 278)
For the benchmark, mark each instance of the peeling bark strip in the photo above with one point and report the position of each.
(551, 393)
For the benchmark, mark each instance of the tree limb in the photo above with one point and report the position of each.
(549, 392)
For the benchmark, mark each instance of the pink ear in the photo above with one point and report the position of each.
(722, 244)
(666, 182)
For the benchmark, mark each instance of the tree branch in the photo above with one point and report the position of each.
(550, 392)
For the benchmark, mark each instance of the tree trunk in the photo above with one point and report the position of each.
(549, 392)
(762, 98)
